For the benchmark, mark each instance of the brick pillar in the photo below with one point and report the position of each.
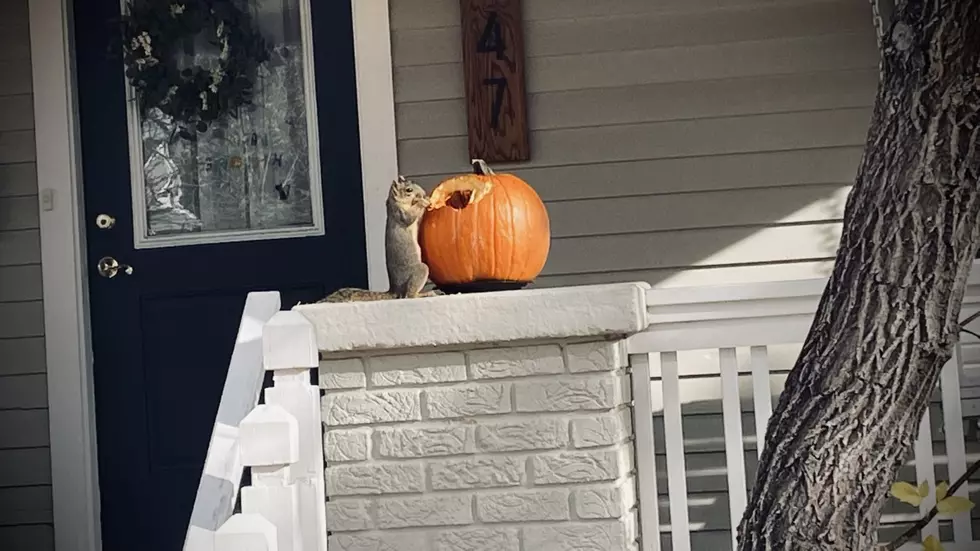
(487, 422)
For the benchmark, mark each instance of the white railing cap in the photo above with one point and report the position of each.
(246, 532)
(289, 342)
(465, 319)
(269, 436)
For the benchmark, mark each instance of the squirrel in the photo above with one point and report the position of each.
(407, 274)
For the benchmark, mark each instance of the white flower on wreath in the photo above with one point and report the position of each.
(170, 94)
(146, 62)
(176, 9)
(217, 75)
(142, 42)
(204, 100)
(224, 49)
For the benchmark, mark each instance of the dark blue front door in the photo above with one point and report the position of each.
(162, 336)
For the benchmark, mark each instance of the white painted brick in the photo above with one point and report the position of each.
(481, 472)
(340, 374)
(533, 434)
(601, 430)
(373, 479)
(604, 501)
(417, 369)
(632, 525)
(349, 515)
(521, 361)
(478, 539)
(468, 400)
(523, 506)
(597, 393)
(575, 536)
(425, 511)
(383, 406)
(595, 356)
(376, 541)
(578, 467)
(399, 443)
(346, 445)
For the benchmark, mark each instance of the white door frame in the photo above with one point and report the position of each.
(74, 471)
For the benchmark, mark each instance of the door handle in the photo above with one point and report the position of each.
(109, 267)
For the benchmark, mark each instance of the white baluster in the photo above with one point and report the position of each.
(270, 445)
(761, 394)
(674, 442)
(244, 532)
(955, 440)
(734, 450)
(925, 471)
(646, 465)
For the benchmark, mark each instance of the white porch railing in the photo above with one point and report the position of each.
(280, 441)
(705, 374)
(708, 368)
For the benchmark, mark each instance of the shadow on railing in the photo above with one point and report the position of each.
(280, 442)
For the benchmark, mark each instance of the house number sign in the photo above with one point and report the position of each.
(493, 65)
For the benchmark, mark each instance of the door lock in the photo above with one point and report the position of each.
(104, 222)
(109, 267)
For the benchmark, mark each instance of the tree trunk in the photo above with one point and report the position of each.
(887, 321)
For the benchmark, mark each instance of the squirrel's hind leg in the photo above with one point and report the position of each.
(416, 282)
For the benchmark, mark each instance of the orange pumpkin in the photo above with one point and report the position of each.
(484, 231)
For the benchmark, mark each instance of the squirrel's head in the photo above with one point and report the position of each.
(408, 197)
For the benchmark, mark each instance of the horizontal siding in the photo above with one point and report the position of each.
(16, 77)
(422, 14)
(646, 30)
(675, 142)
(614, 69)
(25, 462)
(658, 102)
(27, 537)
(659, 140)
(18, 180)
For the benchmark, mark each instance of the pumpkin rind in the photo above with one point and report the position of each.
(503, 236)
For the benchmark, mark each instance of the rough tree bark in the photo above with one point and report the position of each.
(888, 318)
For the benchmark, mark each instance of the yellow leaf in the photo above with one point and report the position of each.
(907, 493)
(954, 504)
(924, 489)
(942, 490)
(932, 544)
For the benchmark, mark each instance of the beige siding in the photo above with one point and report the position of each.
(678, 142)
(25, 462)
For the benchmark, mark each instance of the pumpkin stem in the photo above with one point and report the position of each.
(481, 167)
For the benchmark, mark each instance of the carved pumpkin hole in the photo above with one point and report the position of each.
(459, 192)
(459, 199)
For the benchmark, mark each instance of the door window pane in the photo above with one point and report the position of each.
(252, 175)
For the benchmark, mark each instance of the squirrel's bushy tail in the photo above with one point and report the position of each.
(350, 294)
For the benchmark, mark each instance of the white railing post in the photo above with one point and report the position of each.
(270, 446)
(244, 532)
(290, 352)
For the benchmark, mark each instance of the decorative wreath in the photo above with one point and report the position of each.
(155, 35)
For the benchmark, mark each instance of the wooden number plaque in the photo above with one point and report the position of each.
(493, 64)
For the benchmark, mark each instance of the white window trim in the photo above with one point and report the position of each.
(74, 471)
